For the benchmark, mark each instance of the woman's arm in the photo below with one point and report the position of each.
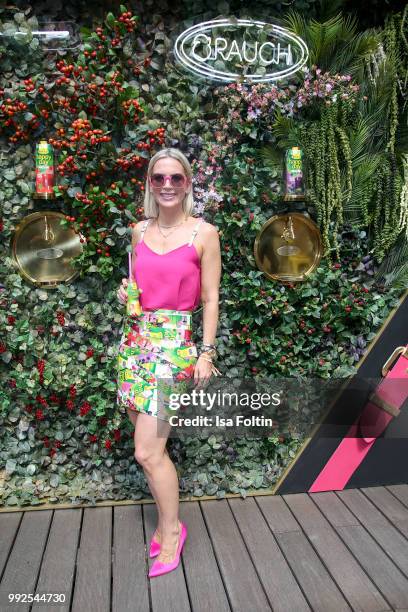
(210, 282)
(122, 291)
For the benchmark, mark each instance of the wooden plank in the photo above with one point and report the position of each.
(389, 505)
(58, 564)
(320, 590)
(385, 575)
(20, 574)
(279, 519)
(340, 515)
(203, 579)
(168, 592)
(391, 540)
(276, 576)
(9, 524)
(400, 492)
(357, 588)
(389, 580)
(130, 588)
(245, 590)
(93, 577)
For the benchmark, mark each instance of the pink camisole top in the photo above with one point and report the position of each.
(170, 280)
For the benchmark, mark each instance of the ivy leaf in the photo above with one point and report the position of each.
(54, 480)
(110, 20)
(11, 465)
(12, 500)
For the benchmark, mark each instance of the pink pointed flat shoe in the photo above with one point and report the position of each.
(158, 568)
(154, 548)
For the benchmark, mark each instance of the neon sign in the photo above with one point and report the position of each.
(254, 50)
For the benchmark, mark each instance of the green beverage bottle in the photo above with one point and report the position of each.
(133, 307)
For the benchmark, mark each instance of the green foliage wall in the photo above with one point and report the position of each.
(62, 437)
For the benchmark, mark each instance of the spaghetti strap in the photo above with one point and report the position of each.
(144, 229)
(195, 231)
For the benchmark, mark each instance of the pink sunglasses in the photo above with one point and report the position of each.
(176, 180)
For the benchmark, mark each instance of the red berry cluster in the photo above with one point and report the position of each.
(69, 69)
(93, 438)
(135, 161)
(131, 108)
(156, 136)
(11, 320)
(68, 166)
(85, 408)
(29, 84)
(99, 32)
(11, 107)
(243, 334)
(42, 91)
(93, 213)
(126, 18)
(41, 400)
(61, 317)
(10, 111)
(40, 368)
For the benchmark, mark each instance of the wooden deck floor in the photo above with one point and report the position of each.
(324, 551)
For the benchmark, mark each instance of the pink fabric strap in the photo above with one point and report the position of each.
(383, 405)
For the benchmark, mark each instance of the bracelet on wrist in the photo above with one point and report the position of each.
(209, 353)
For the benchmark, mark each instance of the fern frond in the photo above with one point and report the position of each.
(285, 130)
(334, 44)
(393, 271)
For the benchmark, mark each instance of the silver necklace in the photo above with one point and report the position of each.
(170, 225)
(169, 233)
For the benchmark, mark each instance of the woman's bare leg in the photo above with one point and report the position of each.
(150, 452)
(133, 415)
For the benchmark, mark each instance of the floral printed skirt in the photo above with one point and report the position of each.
(156, 358)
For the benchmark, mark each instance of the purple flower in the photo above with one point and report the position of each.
(253, 113)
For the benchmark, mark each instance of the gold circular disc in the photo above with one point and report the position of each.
(288, 247)
(42, 249)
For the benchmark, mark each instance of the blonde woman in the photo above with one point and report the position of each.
(177, 265)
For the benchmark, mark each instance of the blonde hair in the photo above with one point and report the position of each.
(150, 207)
